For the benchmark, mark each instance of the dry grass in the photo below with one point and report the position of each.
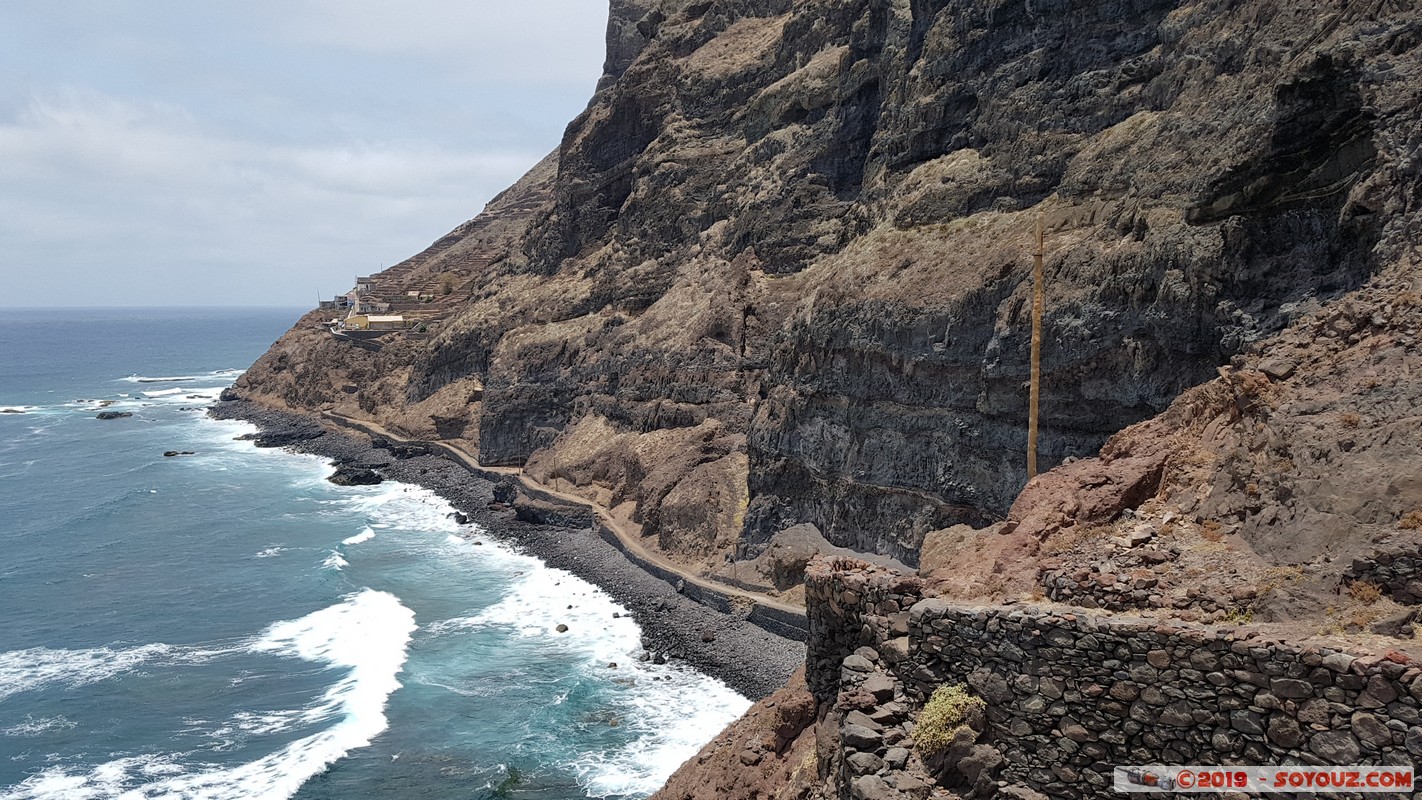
(1361, 618)
(1365, 592)
(1350, 419)
(1278, 577)
(1411, 521)
(1212, 531)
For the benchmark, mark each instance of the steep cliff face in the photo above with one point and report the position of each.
(778, 271)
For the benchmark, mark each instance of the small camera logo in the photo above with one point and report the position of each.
(1148, 778)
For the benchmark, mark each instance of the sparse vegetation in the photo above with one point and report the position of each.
(1211, 530)
(1350, 419)
(1365, 592)
(1239, 615)
(1411, 521)
(944, 715)
(1278, 577)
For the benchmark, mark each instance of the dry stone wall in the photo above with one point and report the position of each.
(1069, 696)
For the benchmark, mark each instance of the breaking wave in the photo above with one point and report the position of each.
(368, 634)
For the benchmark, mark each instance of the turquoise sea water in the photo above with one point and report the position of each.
(231, 625)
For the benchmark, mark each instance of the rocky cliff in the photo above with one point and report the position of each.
(771, 295)
(778, 271)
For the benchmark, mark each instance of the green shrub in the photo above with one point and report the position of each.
(943, 717)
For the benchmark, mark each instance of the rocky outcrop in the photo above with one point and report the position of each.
(777, 272)
(352, 475)
(768, 754)
(1263, 493)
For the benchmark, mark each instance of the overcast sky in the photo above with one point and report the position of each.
(167, 152)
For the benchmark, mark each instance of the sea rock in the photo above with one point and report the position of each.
(113, 414)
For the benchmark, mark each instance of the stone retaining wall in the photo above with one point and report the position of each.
(534, 504)
(782, 623)
(1069, 696)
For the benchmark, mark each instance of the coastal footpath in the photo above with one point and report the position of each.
(674, 626)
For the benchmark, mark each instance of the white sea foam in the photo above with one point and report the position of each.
(215, 374)
(37, 667)
(673, 710)
(162, 392)
(271, 552)
(34, 726)
(366, 534)
(368, 634)
(673, 716)
(400, 505)
(335, 561)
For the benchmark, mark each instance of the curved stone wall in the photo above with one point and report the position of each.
(1070, 696)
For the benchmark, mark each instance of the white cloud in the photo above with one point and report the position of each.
(129, 202)
(538, 41)
(163, 152)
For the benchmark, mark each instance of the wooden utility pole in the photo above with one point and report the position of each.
(1036, 390)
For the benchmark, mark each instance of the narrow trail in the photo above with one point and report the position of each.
(627, 539)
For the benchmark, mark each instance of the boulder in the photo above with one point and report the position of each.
(859, 737)
(113, 414)
(879, 685)
(1335, 747)
(871, 787)
(865, 763)
(347, 475)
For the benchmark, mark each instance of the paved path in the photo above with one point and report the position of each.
(627, 539)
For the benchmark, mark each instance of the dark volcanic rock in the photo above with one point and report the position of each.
(294, 434)
(347, 475)
(113, 414)
(778, 271)
(400, 449)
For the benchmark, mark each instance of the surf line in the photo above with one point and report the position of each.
(775, 616)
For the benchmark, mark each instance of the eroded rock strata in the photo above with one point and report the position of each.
(773, 289)
(777, 272)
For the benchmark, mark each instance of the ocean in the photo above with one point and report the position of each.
(228, 624)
